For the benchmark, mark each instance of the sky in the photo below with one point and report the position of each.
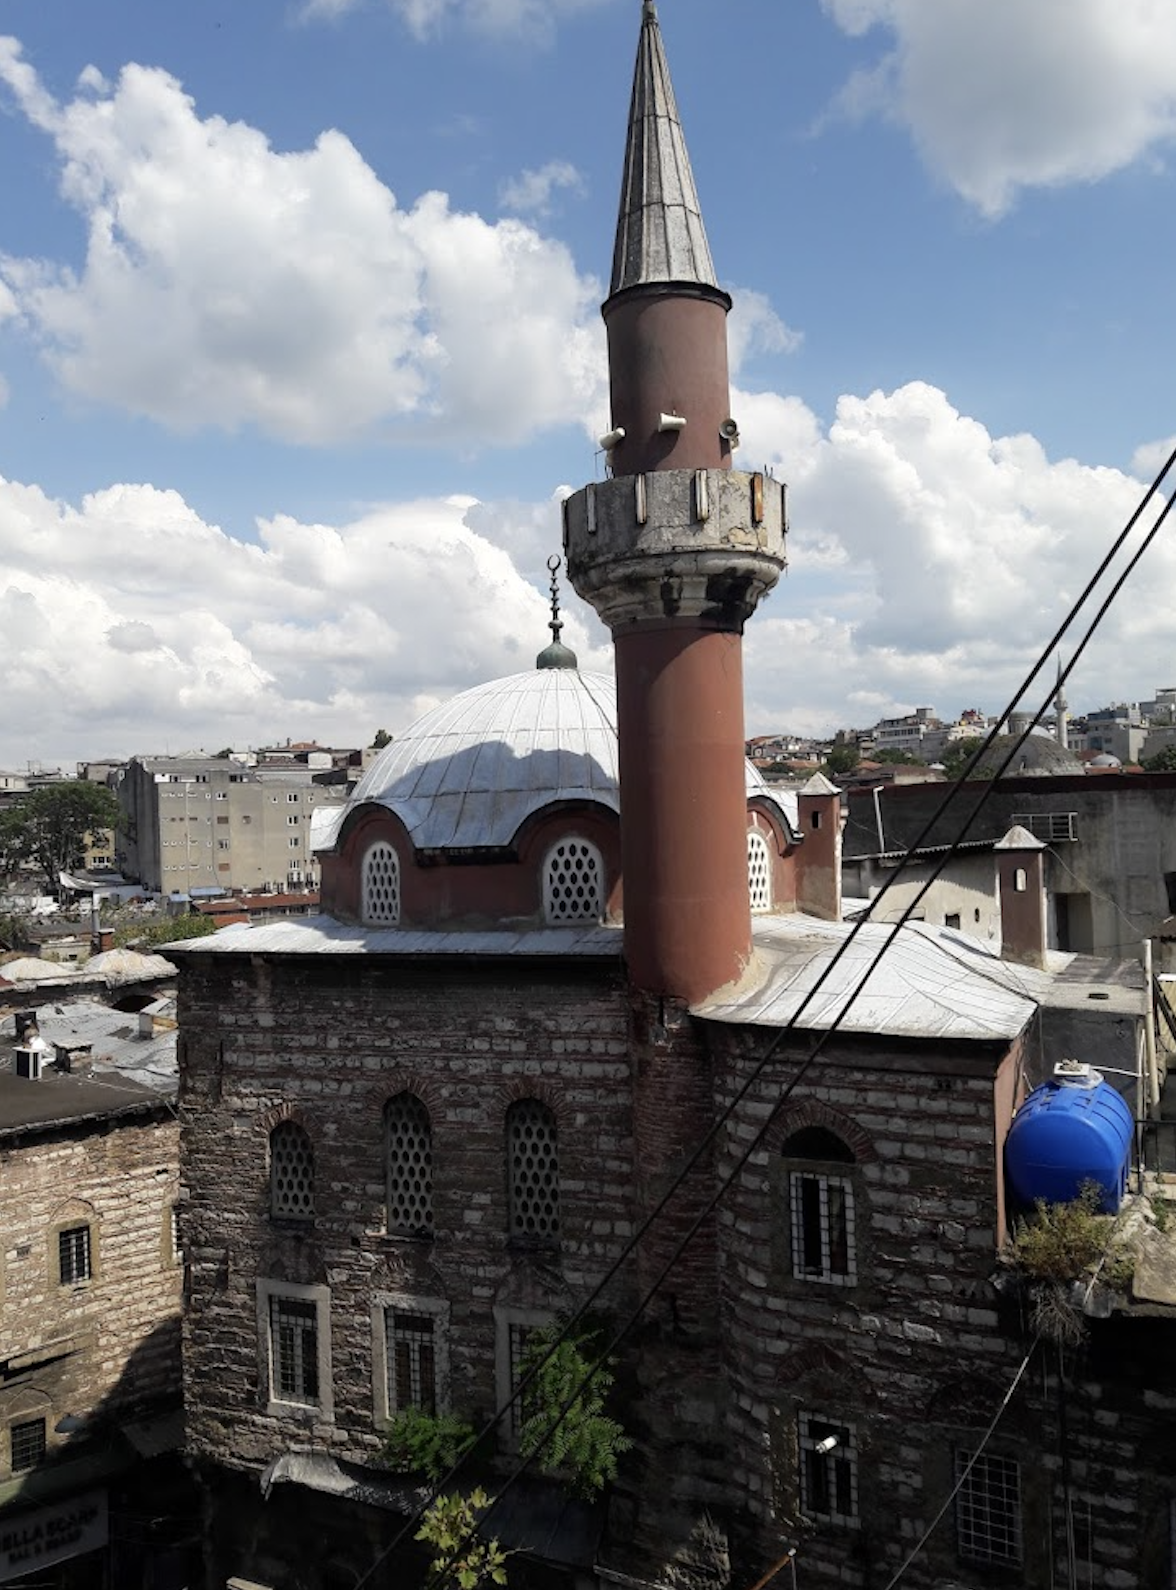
(300, 347)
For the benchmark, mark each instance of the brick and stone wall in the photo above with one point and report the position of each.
(107, 1345)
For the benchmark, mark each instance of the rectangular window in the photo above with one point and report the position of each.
(515, 1328)
(27, 1444)
(292, 822)
(294, 843)
(412, 1361)
(828, 1470)
(73, 1255)
(291, 798)
(988, 1509)
(294, 1349)
(294, 1343)
(822, 1229)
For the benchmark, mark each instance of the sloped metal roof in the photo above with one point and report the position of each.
(470, 772)
(322, 935)
(926, 983)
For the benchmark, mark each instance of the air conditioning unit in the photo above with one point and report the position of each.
(29, 1059)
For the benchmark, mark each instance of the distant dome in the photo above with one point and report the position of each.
(1039, 757)
(471, 771)
(1105, 759)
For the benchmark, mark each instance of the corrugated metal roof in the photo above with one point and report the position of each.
(114, 1040)
(322, 935)
(927, 983)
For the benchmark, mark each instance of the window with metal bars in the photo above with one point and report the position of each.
(828, 1469)
(26, 1444)
(759, 871)
(533, 1171)
(822, 1229)
(411, 1342)
(988, 1509)
(291, 1172)
(821, 1213)
(573, 882)
(294, 1368)
(380, 906)
(74, 1255)
(408, 1146)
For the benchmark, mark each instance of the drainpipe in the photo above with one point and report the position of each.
(1149, 1035)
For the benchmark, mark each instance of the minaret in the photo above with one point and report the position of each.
(1061, 730)
(674, 550)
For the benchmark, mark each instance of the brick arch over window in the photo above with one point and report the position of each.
(379, 904)
(812, 1113)
(291, 1164)
(408, 1165)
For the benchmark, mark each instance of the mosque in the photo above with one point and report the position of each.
(580, 1024)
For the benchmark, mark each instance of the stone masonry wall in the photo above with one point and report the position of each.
(328, 1040)
(111, 1343)
(918, 1353)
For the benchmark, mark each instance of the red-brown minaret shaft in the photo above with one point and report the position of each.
(674, 551)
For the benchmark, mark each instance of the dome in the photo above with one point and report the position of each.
(1105, 759)
(470, 772)
(1039, 757)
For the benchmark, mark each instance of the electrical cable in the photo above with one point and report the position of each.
(757, 1070)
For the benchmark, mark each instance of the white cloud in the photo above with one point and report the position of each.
(1001, 95)
(753, 326)
(227, 284)
(179, 634)
(929, 563)
(530, 192)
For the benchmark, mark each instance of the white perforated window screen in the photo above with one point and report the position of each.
(534, 1171)
(291, 1171)
(759, 871)
(409, 1139)
(381, 885)
(573, 882)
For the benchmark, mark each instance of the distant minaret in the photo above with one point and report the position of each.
(1061, 729)
(674, 551)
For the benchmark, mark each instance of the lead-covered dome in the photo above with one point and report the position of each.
(469, 773)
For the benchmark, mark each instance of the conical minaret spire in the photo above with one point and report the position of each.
(660, 235)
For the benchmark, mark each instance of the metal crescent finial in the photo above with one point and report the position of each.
(556, 624)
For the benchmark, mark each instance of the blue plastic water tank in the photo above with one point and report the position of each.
(1069, 1131)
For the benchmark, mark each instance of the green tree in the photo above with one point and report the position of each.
(146, 935)
(957, 756)
(1163, 762)
(898, 757)
(49, 827)
(586, 1444)
(461, 1559)
(841, 759)
(382, 738)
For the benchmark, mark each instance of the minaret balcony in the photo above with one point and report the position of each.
(696, 545)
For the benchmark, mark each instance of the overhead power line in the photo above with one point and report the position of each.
(756, 1072)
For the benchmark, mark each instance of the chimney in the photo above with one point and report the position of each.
(23, 1021)
(1020, 876)
(818, 882)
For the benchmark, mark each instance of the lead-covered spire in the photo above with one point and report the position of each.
(660, 235)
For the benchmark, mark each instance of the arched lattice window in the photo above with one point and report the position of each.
(759, 871)
(381, 885)
(408, 1142)
(573, 882)
(533, 1169)
(291, 1172)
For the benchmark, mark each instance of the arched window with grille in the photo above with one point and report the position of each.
(573, 882)
(821, 1209)
(380, 905)
(291, 1172)
(759, 871)
(532, 1171)
(408, 1148)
